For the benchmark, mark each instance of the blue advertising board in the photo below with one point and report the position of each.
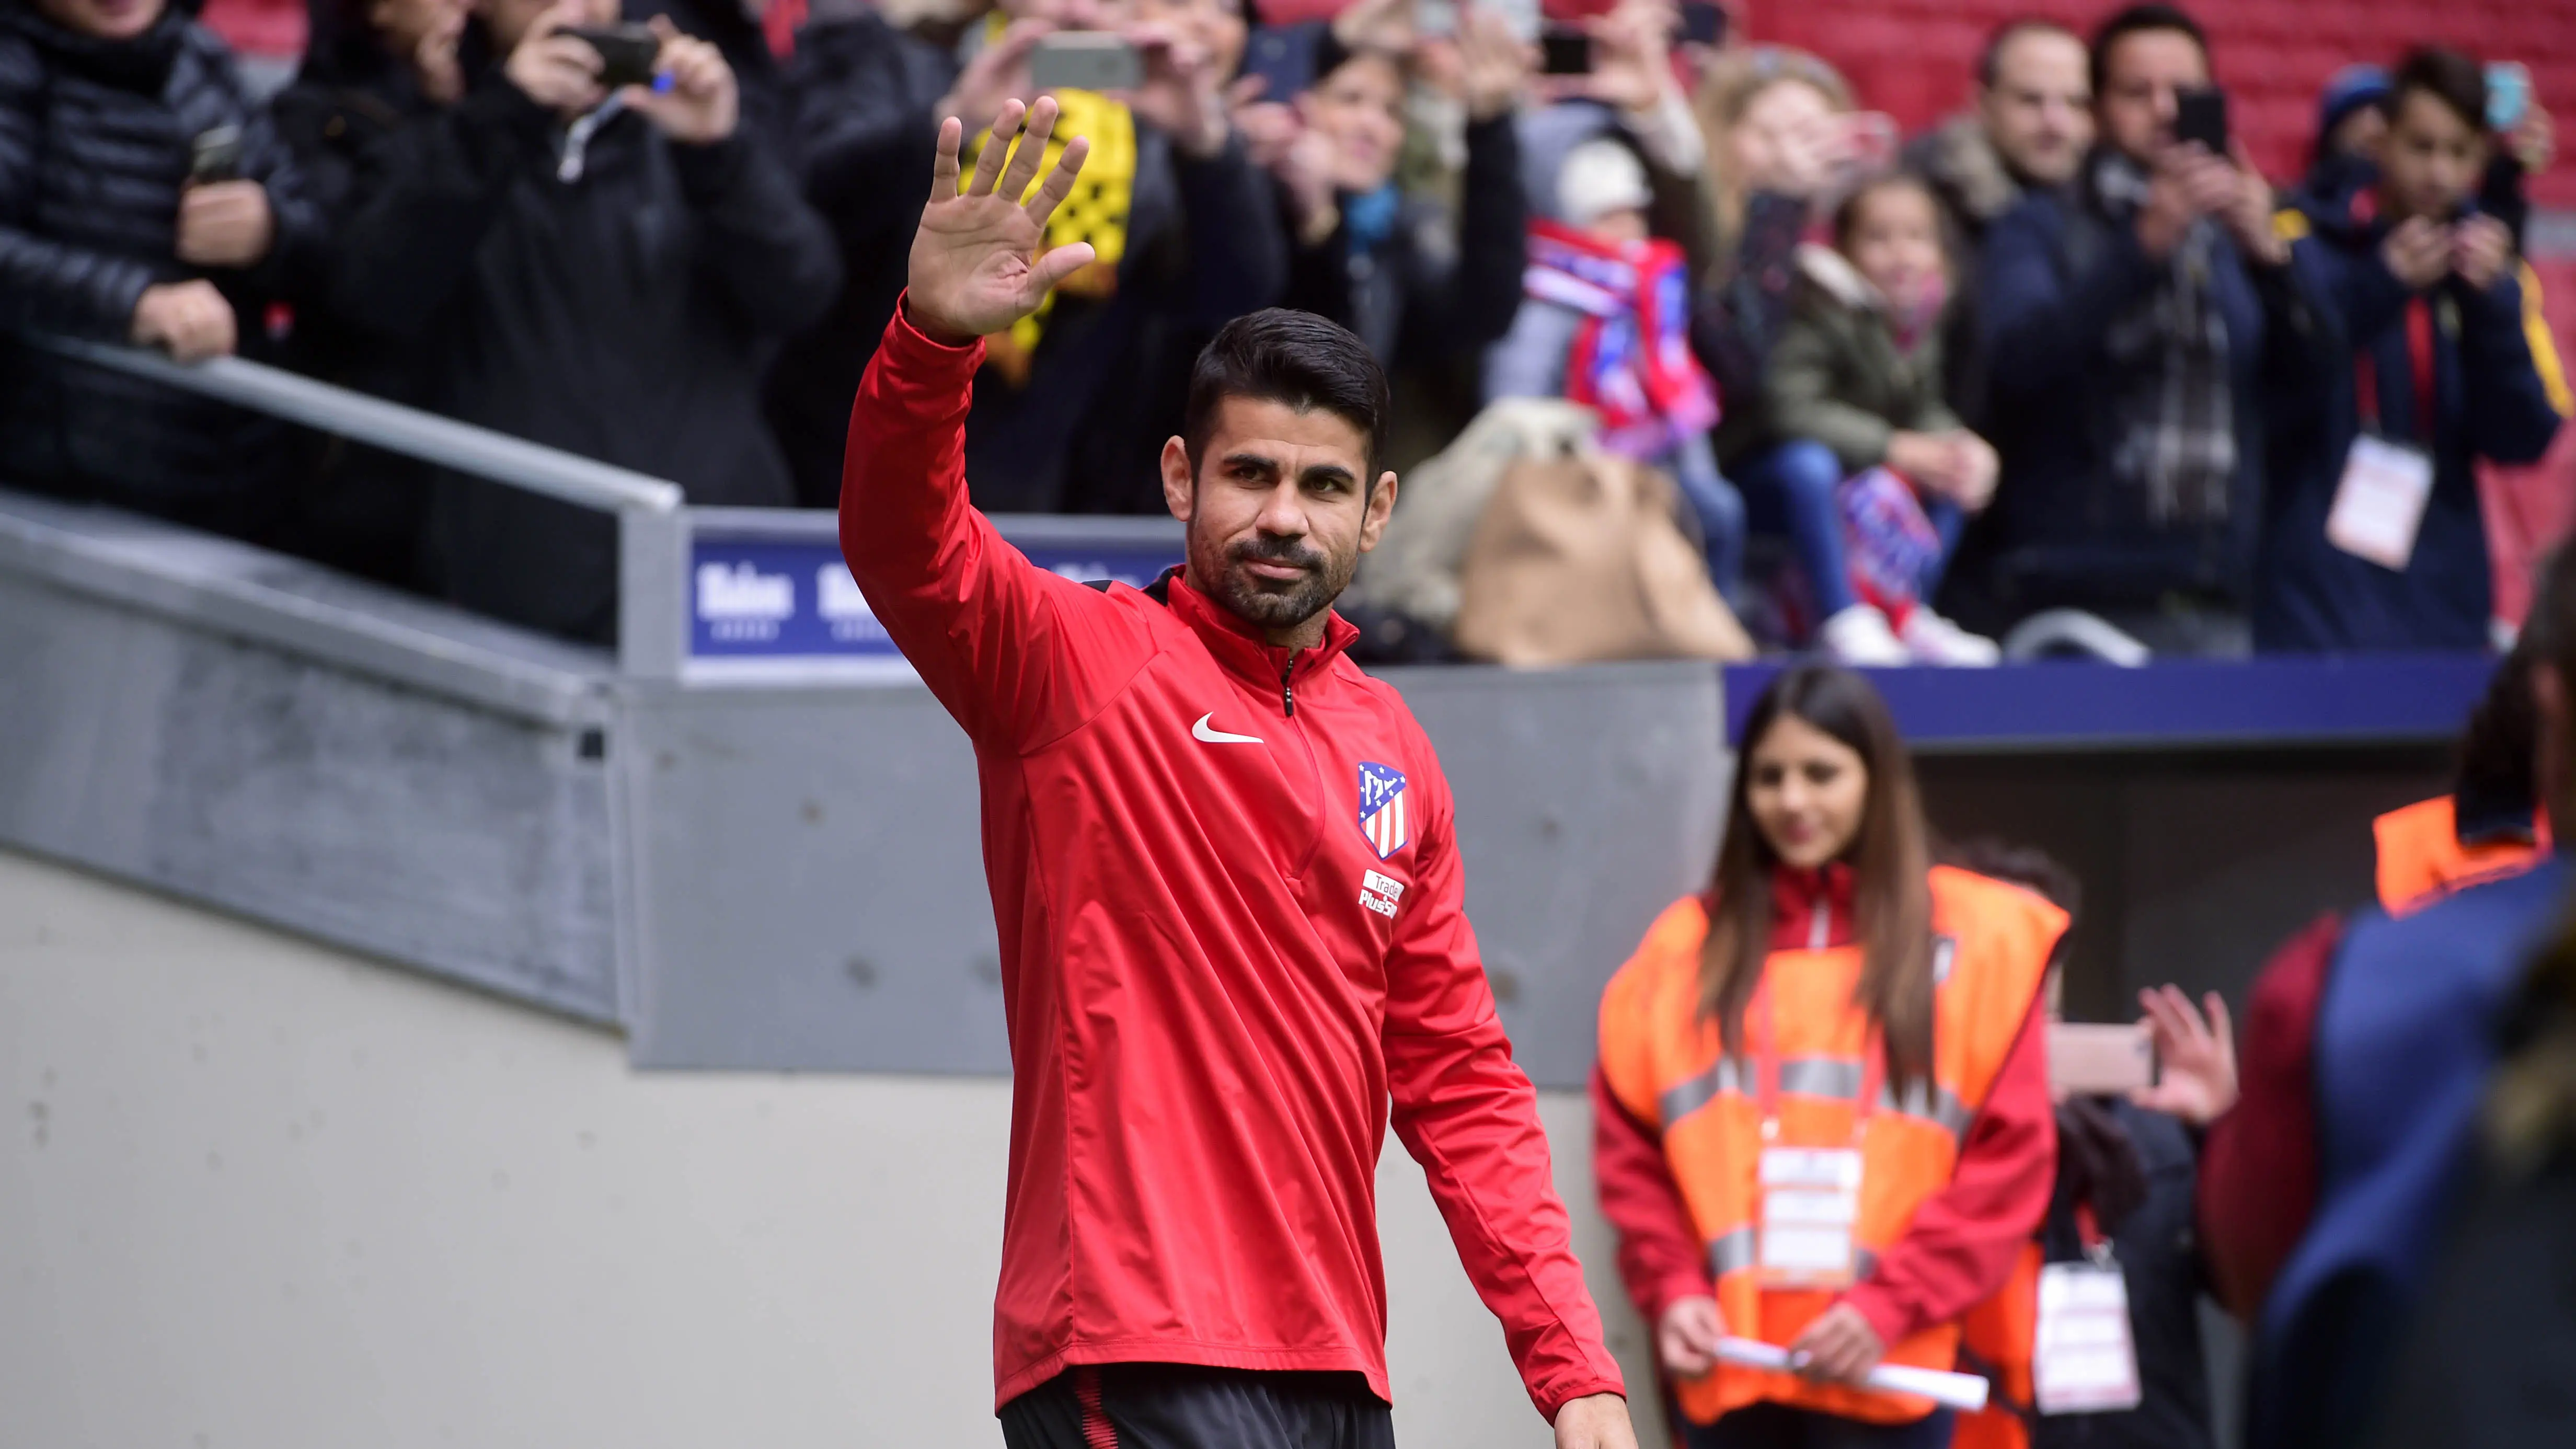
(766, 603)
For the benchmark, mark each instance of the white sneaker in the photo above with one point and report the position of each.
(1861, 635)
(1935, 640)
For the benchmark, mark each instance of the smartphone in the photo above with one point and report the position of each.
(1870, 138)
(1703, 24)
(1565, 52)
(2099, 1061)
(1087, 60)
(215, 155)
(2508, 94)
(2200, 114)
(626, 52)
(1284, 58)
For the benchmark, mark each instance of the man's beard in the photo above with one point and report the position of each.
(1270, 603)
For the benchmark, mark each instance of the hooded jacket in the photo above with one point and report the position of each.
(596, 287)
(96, 144)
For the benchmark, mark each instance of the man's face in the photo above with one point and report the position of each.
(103, 19)
(2039, 112)
(2142, 73)
(2430, 161)
(1279, 511)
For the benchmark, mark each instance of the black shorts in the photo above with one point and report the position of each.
(1178, 1406)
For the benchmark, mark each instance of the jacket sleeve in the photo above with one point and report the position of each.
(1017, 655)
(1659, 1251)
(432, 191)
(1466, 304)
(298, 264)
(2039, 328)
(1964, 1239)
(1530, 360)
(1238, 245)
(45, 284)
(762, 245)
(1470, 1117)
(2359, 295)
(2516, 391)
(1799, 387)
(2258, 1166)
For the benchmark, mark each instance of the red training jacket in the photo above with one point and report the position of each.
(1231, 924)
(1963, 1239)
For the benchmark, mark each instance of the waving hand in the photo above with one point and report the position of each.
(978, 263)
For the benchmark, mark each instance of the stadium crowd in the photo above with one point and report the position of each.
(2069, 351)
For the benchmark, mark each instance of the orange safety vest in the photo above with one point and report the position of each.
(1667, 1066)
(2422, 860)
(2002, 1333)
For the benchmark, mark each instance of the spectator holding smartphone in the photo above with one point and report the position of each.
(1413, 281)
(605, 270)
(143, 199)
(2437, 356)
(2126, 329)
(1870, 455)
(1076, 400)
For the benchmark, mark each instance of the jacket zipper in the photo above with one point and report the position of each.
(1820, 930)
(1314, 769)
(1287, 690)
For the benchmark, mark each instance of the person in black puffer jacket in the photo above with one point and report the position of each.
(103, 106)
(371, 68)
(606, 273)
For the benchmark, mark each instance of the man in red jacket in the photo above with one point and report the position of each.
(1225, 872)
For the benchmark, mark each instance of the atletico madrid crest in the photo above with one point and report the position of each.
(1382, 808)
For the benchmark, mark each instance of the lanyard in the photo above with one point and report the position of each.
(1766, 1064)
(2419, 356)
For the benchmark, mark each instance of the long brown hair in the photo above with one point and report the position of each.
(1891, 860)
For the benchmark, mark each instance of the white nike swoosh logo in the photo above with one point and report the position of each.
(1206, 736)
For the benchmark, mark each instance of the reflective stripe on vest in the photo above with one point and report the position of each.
(1831, 1078)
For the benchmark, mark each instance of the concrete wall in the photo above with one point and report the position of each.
(255, 1191)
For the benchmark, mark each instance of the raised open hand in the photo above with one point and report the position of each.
(2197, 1053)
(977, 263)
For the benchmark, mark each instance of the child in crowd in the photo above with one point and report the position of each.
(2435, 355)
(1606, 323)
(1881, 474)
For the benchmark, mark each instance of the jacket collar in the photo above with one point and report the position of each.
(1811, 909)
(1240, 647)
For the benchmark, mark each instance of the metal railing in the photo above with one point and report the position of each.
(652, 523)
(390, 426)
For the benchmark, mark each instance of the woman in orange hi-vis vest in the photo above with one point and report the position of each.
(2491, 824)
(1821, 1114)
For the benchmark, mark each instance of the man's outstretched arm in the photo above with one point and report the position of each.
(1468, 1114)
(991, 635)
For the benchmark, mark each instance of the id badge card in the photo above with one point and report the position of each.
(2085, 1361)
(2379, 504)
(1810, 1205)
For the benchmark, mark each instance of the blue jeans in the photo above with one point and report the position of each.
(1790, 490)
(1720, 510)
(1778, 1426)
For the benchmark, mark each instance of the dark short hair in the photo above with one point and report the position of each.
(1296, 359)
(1990, 59)
(2447, 76)
(2140, 20)
(1847, 215)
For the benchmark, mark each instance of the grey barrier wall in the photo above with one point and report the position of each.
(748, 840)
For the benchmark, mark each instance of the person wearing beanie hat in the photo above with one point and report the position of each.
(2349, 119)
(1602, 188)
(1605, 322)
